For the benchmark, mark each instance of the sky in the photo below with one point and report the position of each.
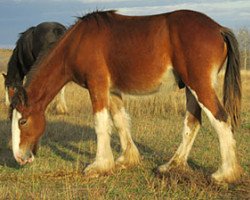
(18, 15)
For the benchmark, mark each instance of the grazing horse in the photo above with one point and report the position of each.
(110, 54)
(31, 44)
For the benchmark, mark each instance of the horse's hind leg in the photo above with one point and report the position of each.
(130, 154)
(230, 170)
(191, 127)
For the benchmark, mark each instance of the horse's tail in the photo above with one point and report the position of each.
(232, 79)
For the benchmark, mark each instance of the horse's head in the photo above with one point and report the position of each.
(28, 125)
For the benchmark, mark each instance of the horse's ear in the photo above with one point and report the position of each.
(4, 75)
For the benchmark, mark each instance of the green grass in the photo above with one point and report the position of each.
(69, 144)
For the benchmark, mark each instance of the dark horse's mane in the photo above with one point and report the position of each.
(20, 40)
(18, 52)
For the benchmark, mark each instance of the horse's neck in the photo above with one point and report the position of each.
(47, 81)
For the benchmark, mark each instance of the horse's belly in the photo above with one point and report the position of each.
(147, 84)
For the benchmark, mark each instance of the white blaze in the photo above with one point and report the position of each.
(15, 132)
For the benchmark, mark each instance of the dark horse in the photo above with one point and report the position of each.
(110, 54)
(31, 44)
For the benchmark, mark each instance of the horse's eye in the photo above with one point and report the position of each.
(22, 121)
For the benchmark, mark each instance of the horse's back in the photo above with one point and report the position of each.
(143, 49)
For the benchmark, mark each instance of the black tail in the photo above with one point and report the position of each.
(232, 79)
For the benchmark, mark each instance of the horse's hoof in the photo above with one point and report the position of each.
(183, 166)
(123, 163)
(90, 173)
(221, 177)
(120, 164)
(166, 167)
(97, 169)
(130, 158)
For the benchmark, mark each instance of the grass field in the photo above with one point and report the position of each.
(69, 144)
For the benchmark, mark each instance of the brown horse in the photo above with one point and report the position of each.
(110, 54)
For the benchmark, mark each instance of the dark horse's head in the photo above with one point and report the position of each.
(27, 127)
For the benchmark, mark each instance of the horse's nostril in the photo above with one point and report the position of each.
(28, 156)
(31, 159)
(20, 160)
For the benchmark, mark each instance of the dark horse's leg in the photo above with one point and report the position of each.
(191, 127)
(130, 154)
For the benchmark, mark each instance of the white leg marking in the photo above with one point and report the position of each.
(103, 131)
(122, 123)
(130, 154)
(229, 167)
(104, 157)
(7, 98)
(181, 155)
(188, 137)
(15, 133)
(230, 170)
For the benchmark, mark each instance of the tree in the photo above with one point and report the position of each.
(244, 44)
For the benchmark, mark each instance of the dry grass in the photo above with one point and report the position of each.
(69, 143)
(4, 58)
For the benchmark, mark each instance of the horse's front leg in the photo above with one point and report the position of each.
(104, 161)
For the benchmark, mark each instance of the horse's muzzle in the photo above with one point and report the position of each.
(25, 158)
